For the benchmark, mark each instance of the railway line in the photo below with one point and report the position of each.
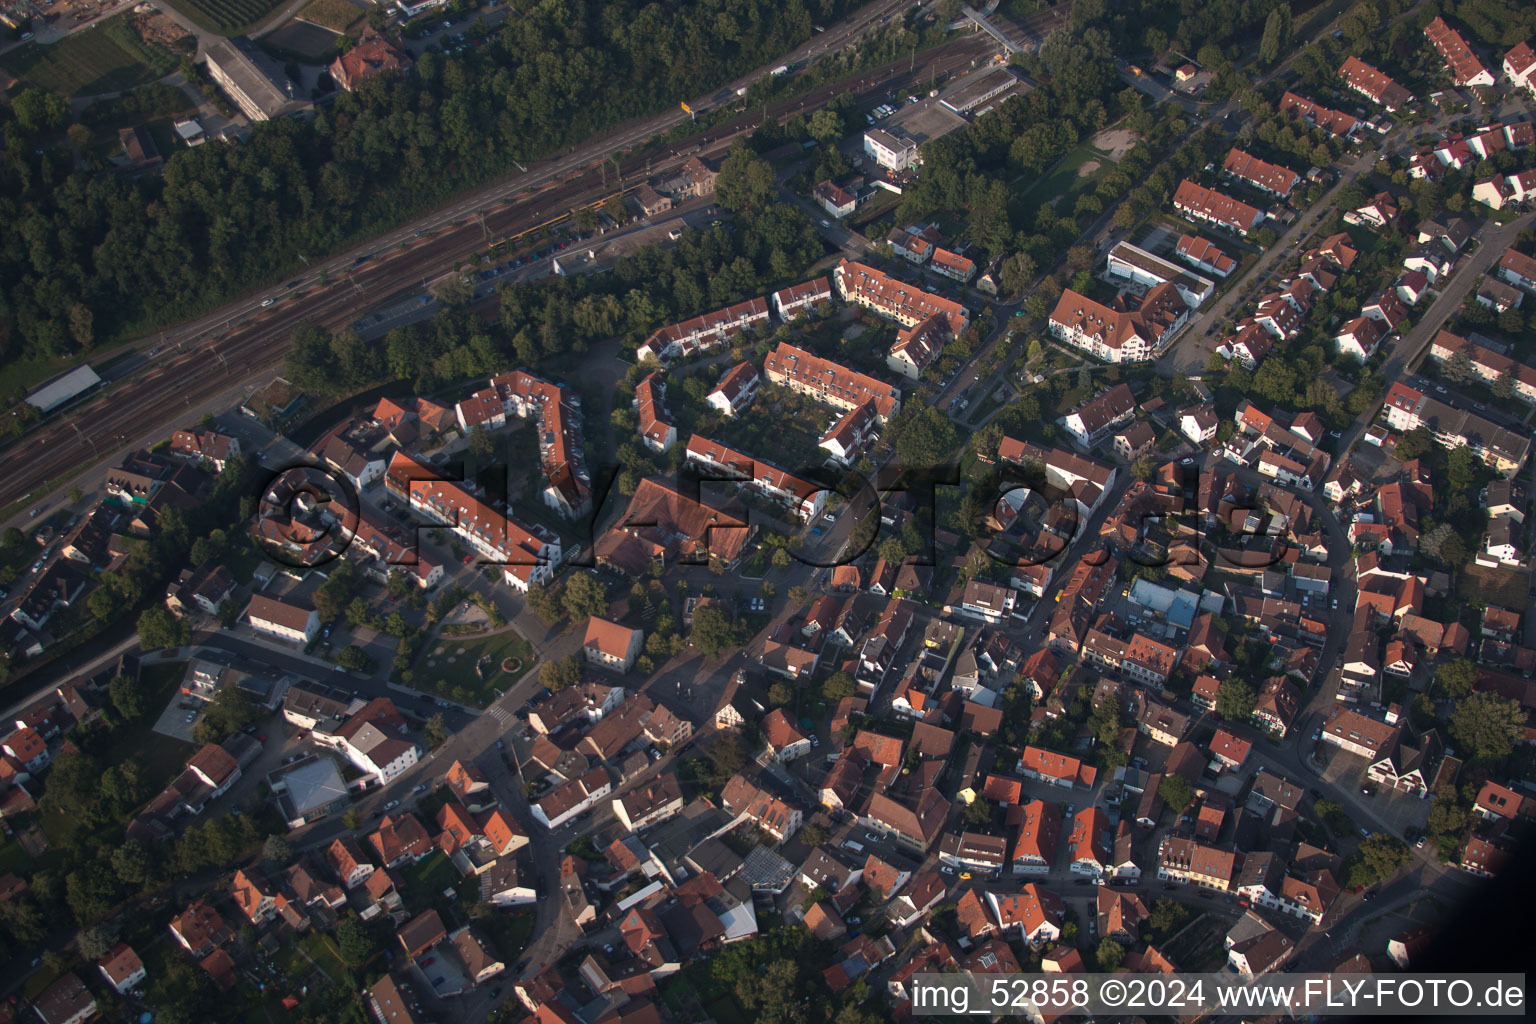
(243, 345)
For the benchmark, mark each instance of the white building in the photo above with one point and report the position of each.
(284, 619)
(889, 150)
(1134, 264)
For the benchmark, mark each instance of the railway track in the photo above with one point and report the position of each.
(213, 361)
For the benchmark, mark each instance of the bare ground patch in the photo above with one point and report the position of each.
(1087, 168)
(1115, 142)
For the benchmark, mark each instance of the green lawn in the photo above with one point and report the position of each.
(448, 666)
(434, 874)
(1063, 180)
(322, 950)
(106, 58)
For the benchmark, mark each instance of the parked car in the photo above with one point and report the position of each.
(1365, 833)
(392, 805)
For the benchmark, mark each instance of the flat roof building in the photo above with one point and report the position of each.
(257, 83)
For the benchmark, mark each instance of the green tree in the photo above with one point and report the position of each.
(97, 941)
(353, 658)
(585, 595)
(481, 444)
(1378, 857)
(1234, 700)
(230, 711)
(127, 696)
(435, 729)
(1459, 367)
(131, 863)
(1487, 725)
(837, 686)
(1176, 792)
(814, 834)
(779, 694)
(559, 673)
(353, 942)
(158, 628)
(276, 850)
(1277, 34)
(1110, 955)
(1455, 678)
(978, 812)
(1446, 817)
(544, 600)
(745, 183)
(713, 630)
(1167, 916)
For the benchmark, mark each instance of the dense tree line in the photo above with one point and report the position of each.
(545, 320)
(86, 256)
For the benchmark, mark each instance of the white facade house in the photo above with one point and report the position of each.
(283, 619)
(889, 150)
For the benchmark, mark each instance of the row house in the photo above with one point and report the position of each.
(952, 265)
(895, 300)
(1272, 178)
(1204, 255)
(769, 812)
(1335, 122)
(1487, 364)
(655, 424)
(1373, 84)
(702, 333)
(918, 347)
(1505, 189)
(828, 382)
(206, 446)
(1520, 67)
(1212, 207)
(527, 554)
(735, 391)
(801, 498)
(851, 433)
(1056, 769)
(975, 852)
(801, 299)
(556, 413)
(1090, 844)
(1406, 409)
(1518, 269)
(1183, 861)
(1034, 845)
(1467, 69)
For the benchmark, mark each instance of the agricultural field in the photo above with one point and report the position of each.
(336, 15)
(108, 58)
(226, 17)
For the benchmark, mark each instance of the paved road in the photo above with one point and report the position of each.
(229, 352)
(1405, 350)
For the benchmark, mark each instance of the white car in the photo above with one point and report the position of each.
(267, 302)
